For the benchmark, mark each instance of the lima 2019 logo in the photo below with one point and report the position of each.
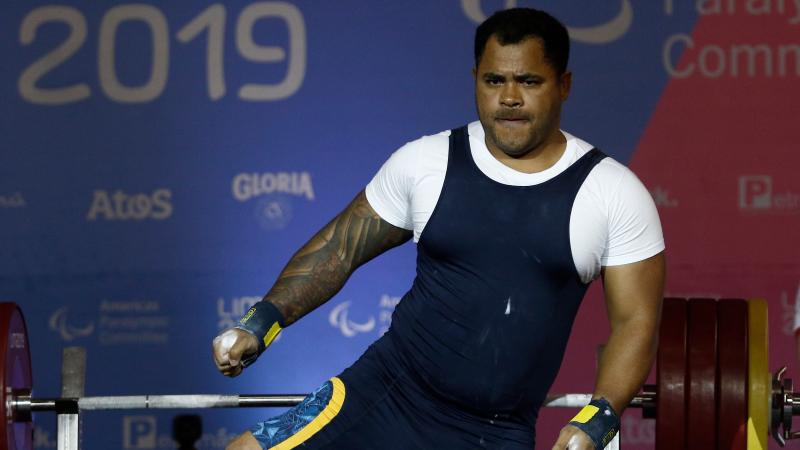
(603, 33)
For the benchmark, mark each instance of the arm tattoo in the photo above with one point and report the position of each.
(321, 267)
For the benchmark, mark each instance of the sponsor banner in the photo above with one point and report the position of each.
(170, 157)
(274, 195)
(122, 206)
(149, 433)
(118, 322)
(756, 194)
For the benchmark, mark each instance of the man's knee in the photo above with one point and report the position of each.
(245, 441)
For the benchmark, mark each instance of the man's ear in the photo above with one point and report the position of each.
(565, 85)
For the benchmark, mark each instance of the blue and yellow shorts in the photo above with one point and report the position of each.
(379, 404)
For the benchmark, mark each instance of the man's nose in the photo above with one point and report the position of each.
(511, 96)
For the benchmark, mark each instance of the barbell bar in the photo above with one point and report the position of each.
(713, 353)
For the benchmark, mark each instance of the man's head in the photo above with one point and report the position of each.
(512, 26)
(521, 79)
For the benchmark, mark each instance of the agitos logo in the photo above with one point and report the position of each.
(338, 318)
(602, 33)
(67, 329)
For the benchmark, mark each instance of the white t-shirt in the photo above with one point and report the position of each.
(613, 220)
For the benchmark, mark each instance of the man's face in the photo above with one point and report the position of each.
(519, 96)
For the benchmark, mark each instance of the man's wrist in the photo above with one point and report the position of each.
(599, 421)
(265, 322)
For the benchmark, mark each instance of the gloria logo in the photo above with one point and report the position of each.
(602, 33)
(756, 194)
(122, 206)
(59, 322)
(339, 318)
(139, 432)
(248, 185)
(13, 200)
(274, 212)
(274, 190)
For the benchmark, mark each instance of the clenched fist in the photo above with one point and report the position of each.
(572, 438)
(230, 347)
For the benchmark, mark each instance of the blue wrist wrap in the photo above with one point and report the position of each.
(599, 421)
(263, 321)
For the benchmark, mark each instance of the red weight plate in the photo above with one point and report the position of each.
(671, 376)
(701, 375)
(15, 376)
(732, 369)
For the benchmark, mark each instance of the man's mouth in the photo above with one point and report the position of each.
(512, 120)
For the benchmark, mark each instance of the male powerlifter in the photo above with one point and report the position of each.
(513, 218)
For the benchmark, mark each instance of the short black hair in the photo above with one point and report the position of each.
(514, 25)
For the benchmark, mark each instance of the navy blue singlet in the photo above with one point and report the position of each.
(476, 343)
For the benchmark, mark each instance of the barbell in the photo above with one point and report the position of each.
(713, 389)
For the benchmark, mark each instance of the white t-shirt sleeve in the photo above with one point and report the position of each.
(634, 229)
(389, 193)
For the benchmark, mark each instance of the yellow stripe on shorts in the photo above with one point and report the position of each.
(319, 422)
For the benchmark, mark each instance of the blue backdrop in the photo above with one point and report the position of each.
(161, 161)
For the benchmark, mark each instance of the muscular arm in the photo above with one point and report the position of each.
(320, 268)
(633, 299)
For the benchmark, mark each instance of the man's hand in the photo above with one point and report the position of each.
(572, 438)
(230, 347)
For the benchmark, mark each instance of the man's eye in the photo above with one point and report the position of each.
(494, 81)
(532, 82)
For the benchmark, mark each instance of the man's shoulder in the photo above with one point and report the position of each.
(429, 144)
(608, 168)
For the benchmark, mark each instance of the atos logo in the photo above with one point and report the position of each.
(60, 324)
(602, 33)
(339, 318)
(122, 206)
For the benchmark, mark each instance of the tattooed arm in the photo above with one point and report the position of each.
(320, 268)
(313, 275)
